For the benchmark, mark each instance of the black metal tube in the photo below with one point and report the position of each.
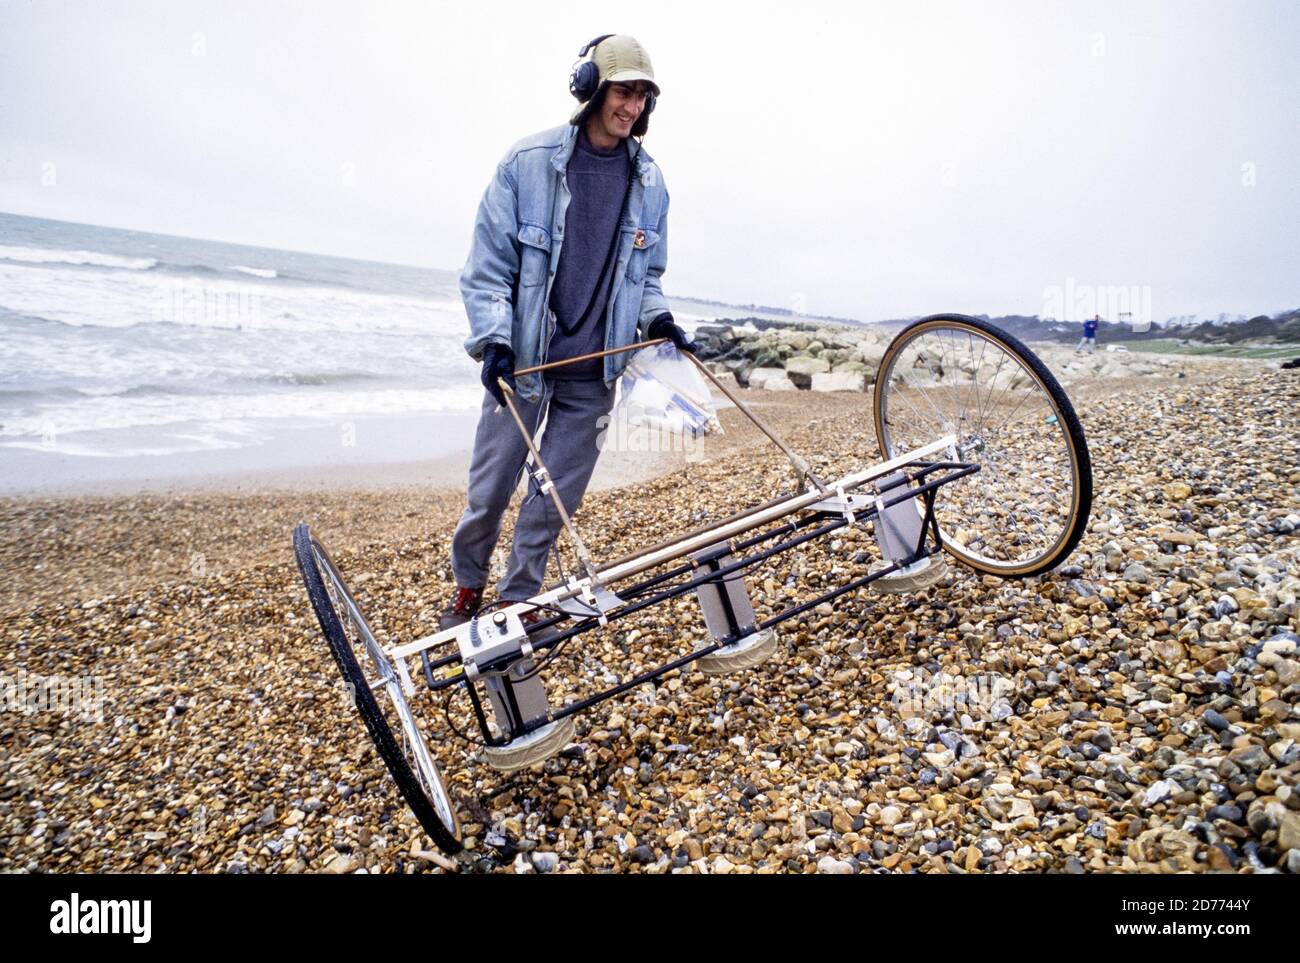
(707, 650)
(741, 546)
(964, 470)
(836, 523)
(786, 529)
(428, 671)
(927, 490)
(724, 596)
(681, 589)
(857, 583)
(516, 719)
(478, 710)
(927, 521)
(444, 661)
(930, 486)
(624, 686)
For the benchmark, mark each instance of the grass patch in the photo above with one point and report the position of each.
(1215, 350)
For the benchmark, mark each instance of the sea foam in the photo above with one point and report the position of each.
(36, 255)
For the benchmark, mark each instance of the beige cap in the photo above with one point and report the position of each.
(620, 59)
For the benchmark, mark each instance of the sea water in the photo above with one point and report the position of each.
(125, 343)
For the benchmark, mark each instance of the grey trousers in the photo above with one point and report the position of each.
(572, 411)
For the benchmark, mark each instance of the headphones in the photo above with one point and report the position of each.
(584, 81)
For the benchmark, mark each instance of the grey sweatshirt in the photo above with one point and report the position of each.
(597, 182)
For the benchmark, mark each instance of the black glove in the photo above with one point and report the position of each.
(498, 362)
(665, 327)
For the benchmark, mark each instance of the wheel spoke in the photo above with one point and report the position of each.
(975, 373)
(367, 649)
(1002, 357)
(904, 396)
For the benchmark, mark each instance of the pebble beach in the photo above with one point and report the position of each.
(1132, 711)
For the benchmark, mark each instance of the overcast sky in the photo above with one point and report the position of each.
(870, 160)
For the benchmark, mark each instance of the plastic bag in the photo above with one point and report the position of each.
(665, 392)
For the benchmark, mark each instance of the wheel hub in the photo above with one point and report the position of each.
(971, 445)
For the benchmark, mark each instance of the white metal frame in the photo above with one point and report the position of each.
(582, 587)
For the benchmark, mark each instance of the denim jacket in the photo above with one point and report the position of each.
(506, 282)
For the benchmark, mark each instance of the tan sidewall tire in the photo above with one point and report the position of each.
(531, 749)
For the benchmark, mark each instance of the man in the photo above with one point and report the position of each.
(1089, 334)
(569, 247)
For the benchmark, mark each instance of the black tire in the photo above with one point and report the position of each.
(445, 833)
(1076, 517)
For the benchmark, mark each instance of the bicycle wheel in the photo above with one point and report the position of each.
(1026, 508)
(353, 645)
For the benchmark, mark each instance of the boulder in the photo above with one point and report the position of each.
(839, 381)
(740, 368)
(717, 350)
(849, 367)
(727, 379)
(759, 377)
(872, 348)
(801, 369)
(720, 332)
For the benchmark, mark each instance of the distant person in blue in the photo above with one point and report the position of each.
(1089, 334)
(569, 245)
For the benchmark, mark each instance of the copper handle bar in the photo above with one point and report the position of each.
(801, 466)
(587, 357)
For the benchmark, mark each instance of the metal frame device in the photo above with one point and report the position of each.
(497, 658)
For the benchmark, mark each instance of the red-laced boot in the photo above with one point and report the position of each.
(462, 608)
